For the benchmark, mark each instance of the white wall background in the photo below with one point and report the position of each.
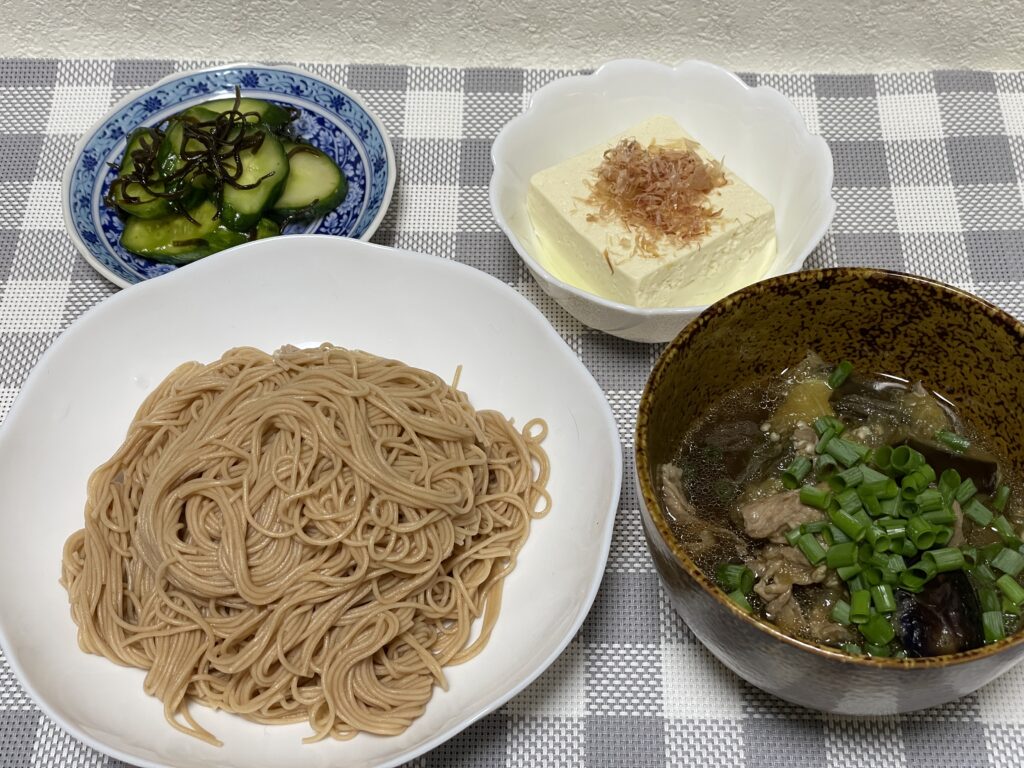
(780, 35)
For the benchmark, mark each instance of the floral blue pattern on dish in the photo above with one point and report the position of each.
(329, 118)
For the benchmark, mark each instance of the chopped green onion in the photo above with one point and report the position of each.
(946, 559)
(889, 507)
(921, 532)
(870, 502)
(849, 501)
(857, 583)
(1005, 530)
(1002, 496)
(811, 547)
(1009, 561)
(929, 500)
(992, 625)
(860, 606)
(905, 459)
(906, 508)
(848, 524)
(939, 517)
(989, 599)
(848, 572)
(815, 526)
(841, 555)
(741, 600)
(825, 466)
(952, 440)
(838, 537)
(845, 452)
(879, 651)
(1008, 586)
(813, 497)
(848, 478)
(885, 488)
(822, 424)
(839, 374)
(874, 476)
(853, 649)
(841, 612)
(872, 575)
(943, 535)
(862, 517)
(733, 576)
(984, 573)
(917, 575)
(896, 564)
(966, 491)
(970, 556)
(878, 539)
(877, 630)
(826, 437)
(883, 598)
(795, 473)
(913, 484)
(792, 535)
(895, 527)
(909, 550)
(949, 482)
(883, 457)
(1008, 607)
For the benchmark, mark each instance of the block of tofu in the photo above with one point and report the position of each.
(599, 254)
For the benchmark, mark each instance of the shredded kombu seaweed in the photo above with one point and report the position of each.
(657, 191)
(211, 153)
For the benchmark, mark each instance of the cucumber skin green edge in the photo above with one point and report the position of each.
(210, 235)
(268, 190)
(151, 208)
(326, 204)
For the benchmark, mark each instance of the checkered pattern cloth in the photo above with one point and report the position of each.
(929, 169)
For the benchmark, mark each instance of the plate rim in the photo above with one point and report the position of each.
(90, 132)
(373, 250)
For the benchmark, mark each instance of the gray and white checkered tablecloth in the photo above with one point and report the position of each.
(929, 179)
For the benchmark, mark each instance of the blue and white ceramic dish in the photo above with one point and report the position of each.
(330, 118)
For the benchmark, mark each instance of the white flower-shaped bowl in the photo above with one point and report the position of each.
(757, 131)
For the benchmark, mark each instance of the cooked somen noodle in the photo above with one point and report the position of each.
(304, 536)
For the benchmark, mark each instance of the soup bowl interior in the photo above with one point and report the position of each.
(957, 345)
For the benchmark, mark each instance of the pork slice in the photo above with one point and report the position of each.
(778, 568)
(698, 535)
(772, 516)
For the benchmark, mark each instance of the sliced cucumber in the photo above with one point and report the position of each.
(315, 183)
(271, 115)
(266, 228)
(168, 157)
(176, 240)
(243, 208)
(132, 198)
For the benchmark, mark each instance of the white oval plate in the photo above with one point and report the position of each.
(305, 289)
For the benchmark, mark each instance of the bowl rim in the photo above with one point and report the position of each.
(136, 93)
(650, 500)
(358, 251)
(552, 92)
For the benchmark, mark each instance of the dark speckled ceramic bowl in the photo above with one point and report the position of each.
(955, 343)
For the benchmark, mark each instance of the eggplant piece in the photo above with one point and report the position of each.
(979, 466)
(944, 617)
(860, 398)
